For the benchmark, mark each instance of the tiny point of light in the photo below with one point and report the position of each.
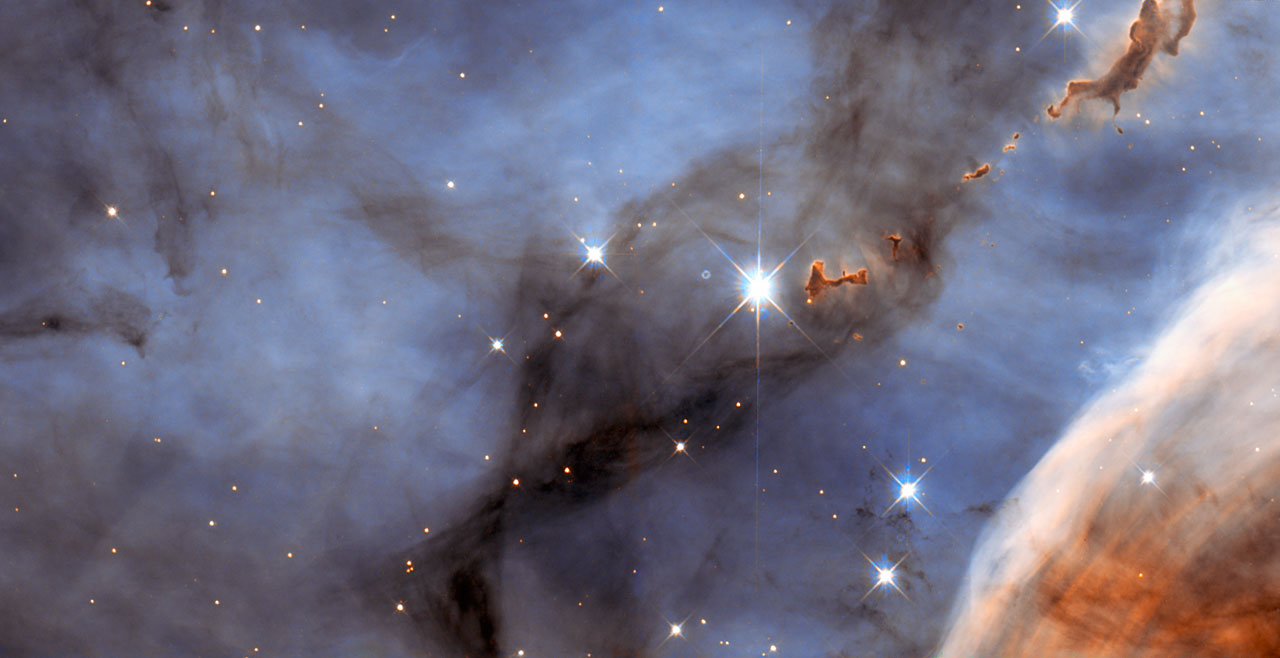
(675, 630)
(595, 254)
(111, 211)
(1065, 15)
(449, 184)
(496, 345)
(908, 489)
(680, 446)
(884, 576)
(1148, 477)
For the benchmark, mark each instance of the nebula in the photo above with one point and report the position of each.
(301, 353)
(1149, 528)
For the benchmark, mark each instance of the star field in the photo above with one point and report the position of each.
(480, 329)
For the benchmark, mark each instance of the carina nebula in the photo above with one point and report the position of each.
(640, 329)
(1150, 528)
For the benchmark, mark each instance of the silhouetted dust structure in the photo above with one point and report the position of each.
(896, 240)
(1147, 36)
(979, 172)
(818, 282)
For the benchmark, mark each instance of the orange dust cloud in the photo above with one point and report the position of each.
(979, 172)
(896, 240)
(818, 282)
(1149, 34)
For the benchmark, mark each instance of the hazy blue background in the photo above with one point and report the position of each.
(333, 393)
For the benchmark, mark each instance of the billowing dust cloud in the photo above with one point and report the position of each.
(1151, 33)
(1150, 528)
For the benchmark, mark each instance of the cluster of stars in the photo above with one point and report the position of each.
(757, 291)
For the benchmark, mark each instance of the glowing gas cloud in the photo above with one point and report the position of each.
(1092, 559)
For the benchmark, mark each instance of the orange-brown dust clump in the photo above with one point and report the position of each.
(896, 240)
(818, 282)
(1149, 34)
(1012, 145)
(979, 172)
